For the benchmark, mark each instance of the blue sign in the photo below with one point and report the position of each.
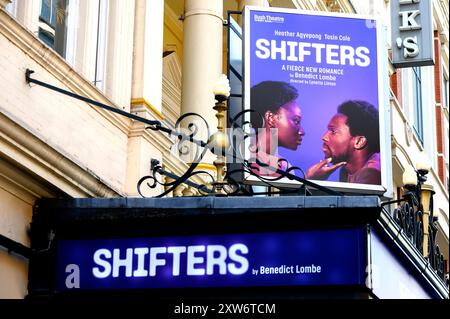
(329, 257)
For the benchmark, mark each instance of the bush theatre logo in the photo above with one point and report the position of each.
(267, 18)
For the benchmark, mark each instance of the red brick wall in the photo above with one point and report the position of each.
(437, 68)
(396, 83)
(439, 129)
(441, 168)
(396, 86)
(438, 101)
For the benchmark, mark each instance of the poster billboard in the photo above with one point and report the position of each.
(314, 81)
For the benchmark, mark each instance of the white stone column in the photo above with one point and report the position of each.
(120, 52)
(86, 42)
(202, 57)
(28, 14)
(147, 56)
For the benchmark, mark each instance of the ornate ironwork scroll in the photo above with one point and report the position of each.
(410, 217)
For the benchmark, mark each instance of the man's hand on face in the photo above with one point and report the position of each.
(322, 170)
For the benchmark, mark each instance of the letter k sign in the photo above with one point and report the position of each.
(408, 20)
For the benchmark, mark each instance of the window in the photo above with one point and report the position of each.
(52, 24)
(72, 30)
(49, 12)
(101, 45)
(417, 101)
(235, 67)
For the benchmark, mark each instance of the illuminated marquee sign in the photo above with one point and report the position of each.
(331, 257)
(412, 33)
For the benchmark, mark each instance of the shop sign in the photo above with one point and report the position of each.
(412, 33)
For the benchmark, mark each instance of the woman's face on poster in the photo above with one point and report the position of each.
(287, 120)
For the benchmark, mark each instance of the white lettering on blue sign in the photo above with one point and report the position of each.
(122, 262)
(73, 277)
(199, 260)
(99, 258)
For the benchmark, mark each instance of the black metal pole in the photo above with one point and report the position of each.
(28, 78)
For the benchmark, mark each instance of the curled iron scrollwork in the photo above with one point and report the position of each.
(410, 218)
(191, 148)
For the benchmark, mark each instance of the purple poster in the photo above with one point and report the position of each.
(313, 82)
(327, 257)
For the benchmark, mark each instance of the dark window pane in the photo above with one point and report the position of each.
(235, 69)
(54, 13)
(235, 83)
(234, 106)
(48, 12)
(418, 116)
(235, 47)
(46, 38)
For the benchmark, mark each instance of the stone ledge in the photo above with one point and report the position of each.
(33, 155)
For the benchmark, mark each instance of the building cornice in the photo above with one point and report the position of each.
(19, 146)
(22, 185)
(398, 146)
(53, 63)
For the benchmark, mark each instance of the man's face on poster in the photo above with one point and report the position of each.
(287, 121)
(337, 140)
